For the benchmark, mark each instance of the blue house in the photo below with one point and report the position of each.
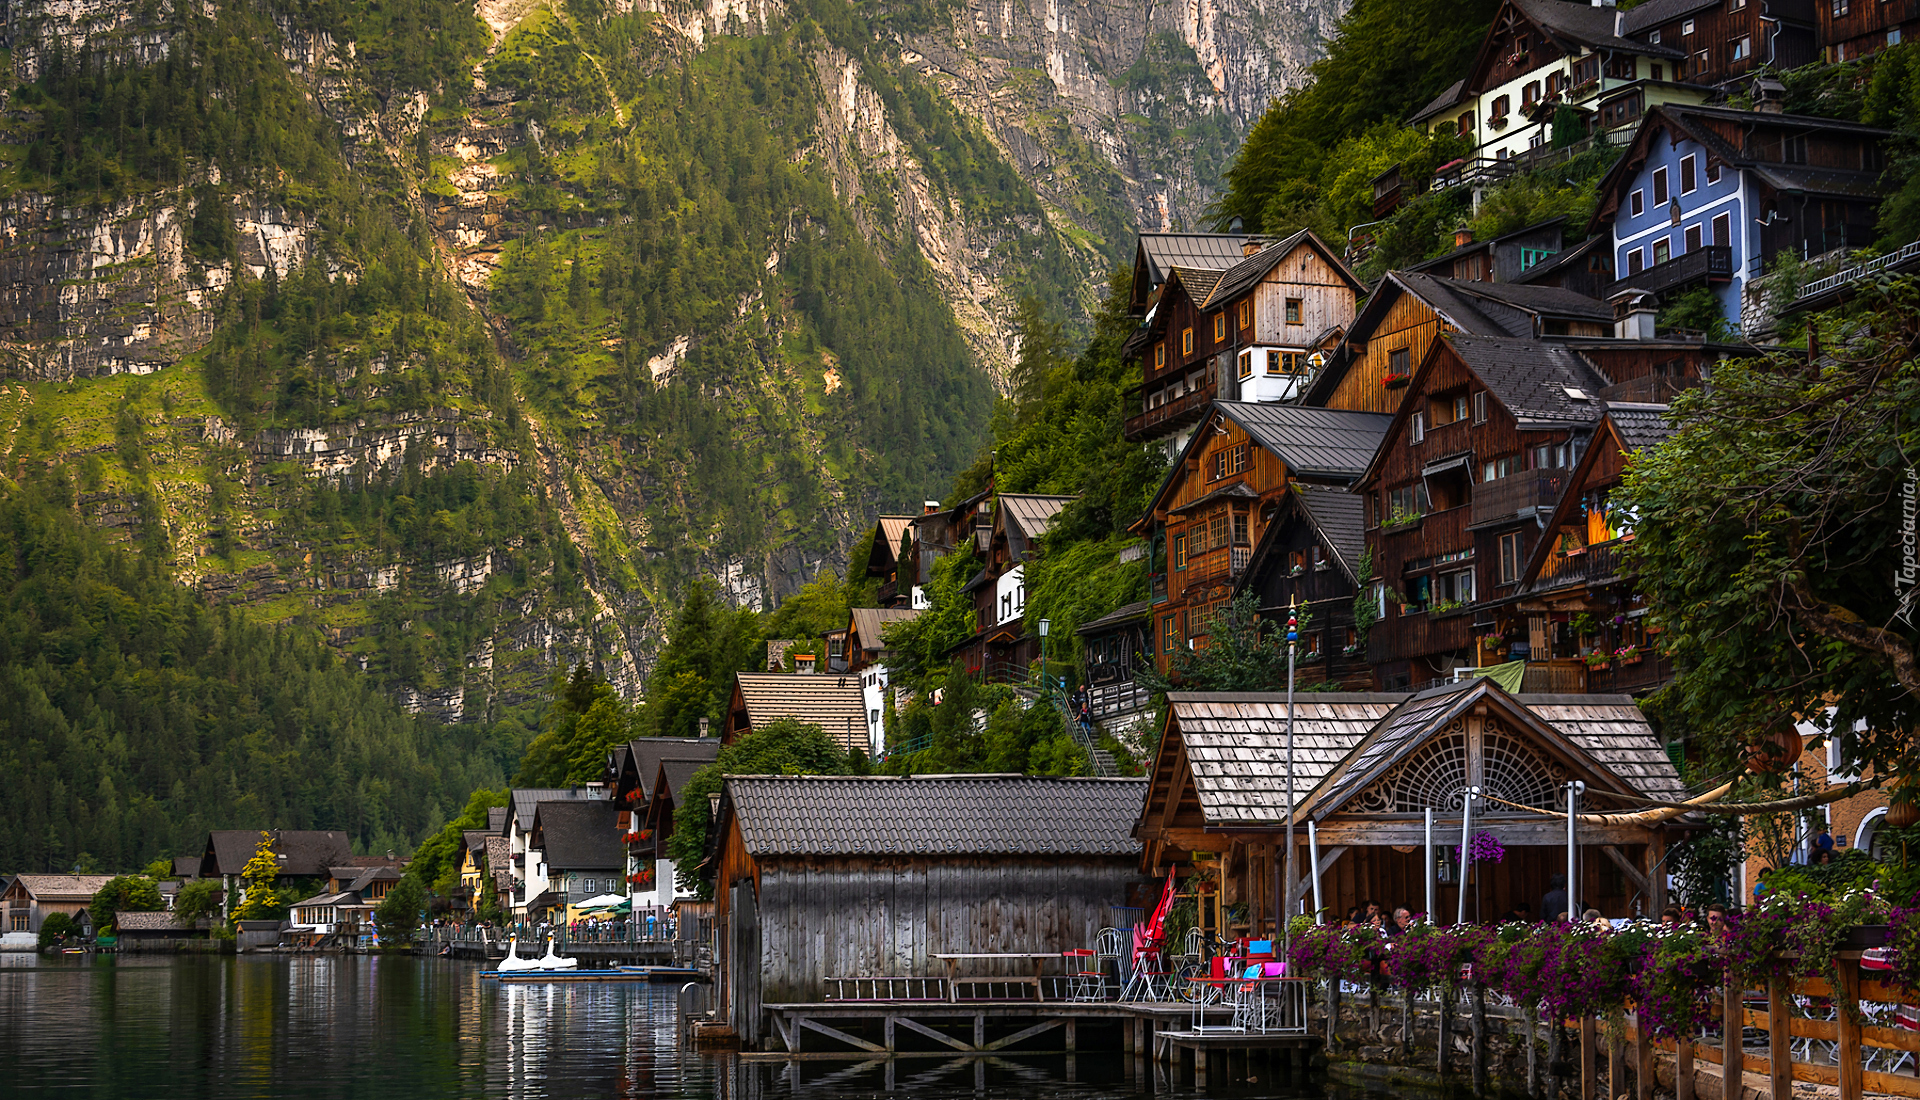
(1706, 196)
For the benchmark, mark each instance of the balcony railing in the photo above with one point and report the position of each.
(1164, 419)
(1710, 264)
(1601, 563)
(1651, 672)
(1878, 263)
(1507, 497)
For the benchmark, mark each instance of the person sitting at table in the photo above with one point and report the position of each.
(1672, 917)
(1402, 923)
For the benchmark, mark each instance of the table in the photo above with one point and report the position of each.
(953, 965)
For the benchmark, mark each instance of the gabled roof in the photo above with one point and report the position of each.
(1336, 515)
(886, 533)
(1603, 736)
(1655, 12)
(186, 866)
(975, 815)
(1157, 254)
(580, 836)
(65, 888)
(1639, 426)
(1236, 745)
(1570, 25)
(1483, 246)
(1244, 275)
(528, 799)
(307, 851)
(496, 818)
(871, 622)
(1533, 378)
(475, 840)
(1564, 258)
(1198, 282)
(1125, 614)
(674, 774)
(834, 703)
(1027, 517)
(1448, 98)
(645, 754)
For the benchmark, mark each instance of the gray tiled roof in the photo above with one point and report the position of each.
(1236, 745)
(1532, 378)
(1341, 518)
(1655, 12)
(647, 752)
(676, 773)
(1198, 281)
(158, 920)
(1586, 24)
(1563, 258)
(936, 815)
(527, 799)
(1238, 278)
(307, 851)
(64, 887)
(1640, 426)
(1441, 102)
(1206, 251)
(1312, 441)
(1128, 613)
(1501, 309)
(580, 836)
(496, 818)
(834, 703)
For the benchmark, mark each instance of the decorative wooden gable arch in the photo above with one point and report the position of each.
(1436, 774)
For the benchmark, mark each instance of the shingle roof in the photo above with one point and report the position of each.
(1207, 251)
(496, 818)
(1312, 441)
(1501, 309)
(580, 836)
(186, 866)
(1198, 281)
(334, 897)
(1585, 24)
(890, 528)
(1441, 102)
(1640, 426)
(307, 851)
(676, 773)
(1481, 246)
(476, 839)
(527, 799)
(1238, 278)
(1341, 518)
(1236, 745)
(64, 887)
(159, 920)
(649, 751)
(1128, 613)
(834, 703)
(935, 815)
(500, 860)
(870, 623)
(1532, 378)
(1655, 12)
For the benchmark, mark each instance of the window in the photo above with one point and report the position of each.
(1179, 551)
(1229, 460)
(1397, 361)
(1480, 407)
(1793, 150)
(1692, 239)
(1417, 429)
(1186, 341)
(1658, 73)
(1457, 587)
(1654, 39)
(1722, 229)
(1510, 558)
(1246, 364)
(1686, 27)
(1169, 633)
(1662, 252)
(1742, 48)
(1502, 106)
(1293, 311)
(1636, 261)
(1713, 171)
(1893, 37)
(1543, 457)
(1242, 529)
(1621, 111)
(1840, 7)
(1620, 66)
(1459, 408)
(1466, 123)
(1530, 94)
(1286, 362)
(1687, 183)
(1497, 468)
(1311, 644)
(1659, 187)
(1246, 314)
(1219, 327)
(1637, 203)
(1408, 500)
(1736, 5)
(1587, 69)
(1160, 355)
(1531, 256)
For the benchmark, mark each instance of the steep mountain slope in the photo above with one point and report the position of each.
(470, 334)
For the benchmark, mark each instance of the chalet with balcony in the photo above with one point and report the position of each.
(1114, 648)
(1372, 366)
(585, 858)
(1312, 558)
(1727, 40)
(1538, 57)
(1218, 500)
(1577, 609)
(653, 881)
(867, 656)
(1245, 333)
(633, 771)
(892, 544)
(1853, 29)
(1001, 645)
(1482, 446)
(1706, 196)
(528, 863)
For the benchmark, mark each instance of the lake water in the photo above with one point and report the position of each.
(267, 1027)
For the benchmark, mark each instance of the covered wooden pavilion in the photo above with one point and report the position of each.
(1368, 766)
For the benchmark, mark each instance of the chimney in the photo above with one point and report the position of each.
(1634, 315)
(929, 507)
(1462, 237)
(1253, 244)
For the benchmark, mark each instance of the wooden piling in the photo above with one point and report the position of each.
(1683, 1070)
(1479, 1039)
(1617, 1058)
(1779, 1041)
(1643, 1059)
(1847, 1001)
(1589, 1050)
(1733, 1062)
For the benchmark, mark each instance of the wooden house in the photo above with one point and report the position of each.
(1853, 29)
(1585, 268)
(633, 782)
(891, 545)
(1577, 606)
(961, 529)
(1217, 501)
(584, 856)
(820, 877)
(1708, 197)
(1390, 337)
(833, 703)
(1728, 40)
(1114, 649)
(1310, 562)
(525, 860)
(656, 829)
(1002, 643)
(303, 853)
(1367, 767)
(1501, 259)
(1482, 446)
(1243, 333)
(30, 899)
(1156, 255)
(867, 655)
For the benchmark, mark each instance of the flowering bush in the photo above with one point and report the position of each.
(1903, 938)
(1512, 958)
(1483, 847)
(1678, 979)
(1334, 953)
(1427, 958)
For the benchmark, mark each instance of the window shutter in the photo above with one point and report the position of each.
(1418, 430)
(1480, 407)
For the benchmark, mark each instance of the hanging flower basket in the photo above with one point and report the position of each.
(1598, 660)
(1394, 381)
(631, 838)
(1483, 847)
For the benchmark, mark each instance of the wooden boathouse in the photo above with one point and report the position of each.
(837, 895)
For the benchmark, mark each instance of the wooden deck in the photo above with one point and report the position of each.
(890, 1028)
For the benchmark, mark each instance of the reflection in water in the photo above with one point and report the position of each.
(267, 1027)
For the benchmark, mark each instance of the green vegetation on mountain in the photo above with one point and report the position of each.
(135, 717)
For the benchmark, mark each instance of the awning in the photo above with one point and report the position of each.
(1441, 466)
(543, 900)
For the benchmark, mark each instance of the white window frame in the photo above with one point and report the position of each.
(1480, 407)
(1636, 203)
(1417, 430)
(1689, 169)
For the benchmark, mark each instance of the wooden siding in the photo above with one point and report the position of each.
(1325, 301)
(1326, 594)
(1408, 325)
(1863, 29)
(841, 917)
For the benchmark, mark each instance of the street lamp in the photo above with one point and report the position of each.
(1045, 679)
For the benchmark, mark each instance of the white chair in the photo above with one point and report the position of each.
(1108, 946)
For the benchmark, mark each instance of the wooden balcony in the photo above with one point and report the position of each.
(1651, 673)
(1601, 563)
(1498, 501)
(1710, 264)
(1166, 419)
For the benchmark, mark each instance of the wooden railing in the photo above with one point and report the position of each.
(902, 987)
(1173, 414)
(1502, 499)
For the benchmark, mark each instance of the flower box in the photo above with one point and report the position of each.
(1633, 660)
(1864, 936)
(1394, 381)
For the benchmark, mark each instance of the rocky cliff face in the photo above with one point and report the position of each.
(1112, 119)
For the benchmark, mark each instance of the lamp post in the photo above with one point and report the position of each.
(1045, 679)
